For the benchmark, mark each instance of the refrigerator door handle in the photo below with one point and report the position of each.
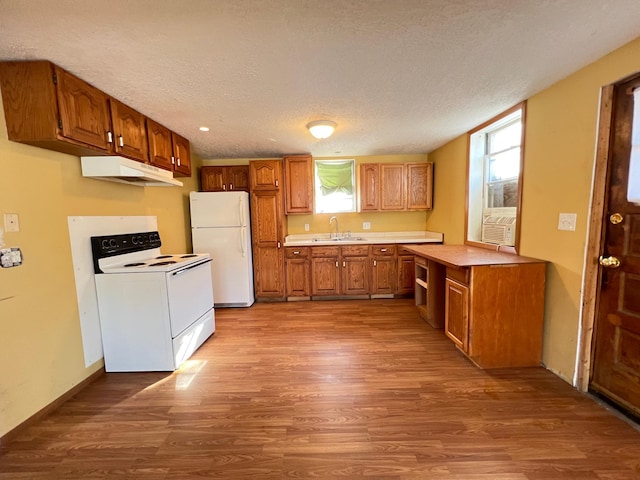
(243, 240)
(241, 212)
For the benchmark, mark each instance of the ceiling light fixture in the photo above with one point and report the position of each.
(321, 128)
(204, 129)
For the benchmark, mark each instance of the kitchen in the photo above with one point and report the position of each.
(47, 319)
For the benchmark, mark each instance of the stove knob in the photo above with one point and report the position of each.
(134, 240)
(112, 243)
(140, 240)
(105, 244)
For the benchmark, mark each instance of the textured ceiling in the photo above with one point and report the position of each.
(398, 76)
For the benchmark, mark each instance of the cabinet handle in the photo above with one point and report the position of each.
(344, 264)
(109, 137)
(278, 244)
(224, 187)
(296, 253)
(383, 250)
(231, 186)
(121, 141)
(173, 160)
(178, 160)
(375, 264)
(277, 183)
(336, 264)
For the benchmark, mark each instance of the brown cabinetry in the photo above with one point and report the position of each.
(325, 271)
(298, 268)
(48, 107)
(396, 187)
(268, 230)
(406, 272)
(355, 270)
(299, 184)
(265, 174)
(493, 302)
(383, 269)
(224, 178)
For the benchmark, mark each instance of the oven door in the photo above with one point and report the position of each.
(190, 292)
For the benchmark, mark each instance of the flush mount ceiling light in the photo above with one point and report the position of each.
(321, 128)
(204, 129)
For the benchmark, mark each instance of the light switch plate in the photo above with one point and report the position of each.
(366, 225)
(306, 227)
(567, 221)
(11, 223)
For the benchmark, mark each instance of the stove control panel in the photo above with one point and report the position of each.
(111, 245)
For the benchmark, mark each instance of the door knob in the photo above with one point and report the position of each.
(616, 218)
(609, 262)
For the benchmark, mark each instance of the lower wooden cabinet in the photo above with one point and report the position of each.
(406, 272)
(383, 269)
(355, 270)
(297, 266)
(457, 313)
(325, 271)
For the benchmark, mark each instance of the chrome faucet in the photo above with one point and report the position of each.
(337, 234)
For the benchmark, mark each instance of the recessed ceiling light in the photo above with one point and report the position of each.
(204, 129)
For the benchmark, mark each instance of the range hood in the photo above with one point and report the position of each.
(123, 170)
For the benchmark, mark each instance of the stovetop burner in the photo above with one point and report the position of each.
(136, 264)
(163, 256)
(167, 262)
(190, 255)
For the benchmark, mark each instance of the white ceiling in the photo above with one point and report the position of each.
(398, 76)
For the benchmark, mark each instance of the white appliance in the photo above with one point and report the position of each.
(498, 229)
(220, 226)
(123, 170)
(155, 310)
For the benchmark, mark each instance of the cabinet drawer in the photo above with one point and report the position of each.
(355, 250)
(296, 252)
(383, 250)
(403, 251)
(325, 251)
(459, 274)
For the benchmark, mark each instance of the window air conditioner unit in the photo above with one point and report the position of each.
(500, 230)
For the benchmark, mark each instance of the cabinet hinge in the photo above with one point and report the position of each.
(55, 78)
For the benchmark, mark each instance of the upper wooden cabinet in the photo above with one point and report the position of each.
(299, 184)
(129, 131)
(224, 178)
(48, 107)
(396, 186)
(265, 174)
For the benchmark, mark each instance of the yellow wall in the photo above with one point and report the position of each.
(41, 354)
(380, 222)
(559, 158)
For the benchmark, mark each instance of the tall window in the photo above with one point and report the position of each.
(335, 186)
(495, 163)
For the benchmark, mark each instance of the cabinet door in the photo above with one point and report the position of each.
(457, 313)
(298, 277)
(238, 177)
(129, 130)
(392, 187)
(269, 272)
(299, 184)
(325, 276)
(406, 274)
(419, 186)
(266, 230)
(212, 179)
(160, 145)
(355, 275)
(369, 187)
(84, 111)
(265, 174)
(182, 154)
(383, 275)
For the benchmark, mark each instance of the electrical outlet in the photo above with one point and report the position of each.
(306, 227)
(567, 221)
(11, 223)
(366, 225)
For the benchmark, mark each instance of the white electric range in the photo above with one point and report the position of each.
(155, 309)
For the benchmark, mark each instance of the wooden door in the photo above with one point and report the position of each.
(129, 130)
(268, 265)
(265, 174)
(392, 187)
(182, 154)
(297, 277)
(419, 186)
(325, 276)
(212, 178)
(369, 187)
(457, 313)
(384, 275)
(238, 178)
(84, 111)
(355, 275)
(299, 182)
(406, 274)
(616, 366)
(160, 145)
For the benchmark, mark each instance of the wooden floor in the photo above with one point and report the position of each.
(351, 389)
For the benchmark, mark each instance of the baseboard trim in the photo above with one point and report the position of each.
(43, 412)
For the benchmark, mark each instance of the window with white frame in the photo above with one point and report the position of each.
(495, 162)
(335, 186)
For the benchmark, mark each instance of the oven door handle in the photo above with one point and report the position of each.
(180, 272)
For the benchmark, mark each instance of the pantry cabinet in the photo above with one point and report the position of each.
(224, 178)
(387, 187)
(268, 228)
(299, 184)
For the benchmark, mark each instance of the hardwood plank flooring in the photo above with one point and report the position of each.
(331, 389)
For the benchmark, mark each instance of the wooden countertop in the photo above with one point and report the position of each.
(466, 256)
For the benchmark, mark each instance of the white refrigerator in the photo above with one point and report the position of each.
(221, 227)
